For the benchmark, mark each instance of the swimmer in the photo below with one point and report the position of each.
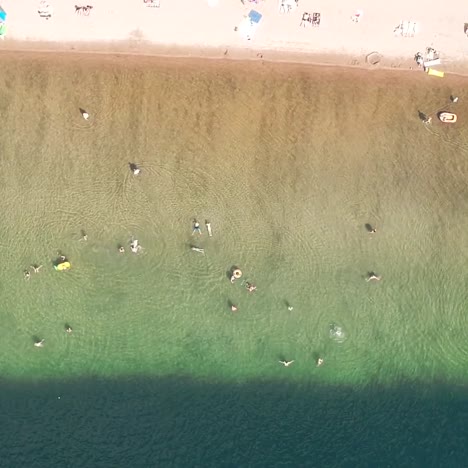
(198, 249)
(233, 278)
(39, 344)
(135, 247)
(134, 168)
(196, 227)
(85, 115)
(370, 229)
(63, 258)
(36, 268)
(319, 362)
(286, 363)
(84, 236)
(234, 308)
(68, 329)
(372, 276)
(290, 308)
(250, 287)
(26, 274)
(208, 228)
(121, 249)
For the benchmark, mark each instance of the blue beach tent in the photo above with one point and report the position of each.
(2, 15)
(255, 16)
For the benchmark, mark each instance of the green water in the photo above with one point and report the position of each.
(288, 164)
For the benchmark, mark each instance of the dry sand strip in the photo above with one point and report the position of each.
(396, 30)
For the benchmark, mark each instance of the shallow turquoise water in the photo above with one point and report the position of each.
(288, 164)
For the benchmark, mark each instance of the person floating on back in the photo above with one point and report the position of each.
(286, 363)
(198, 249)
(208, 228)
(373, 277)
(39, 344)
(36, 268)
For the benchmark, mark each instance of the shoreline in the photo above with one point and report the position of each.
(292, 57)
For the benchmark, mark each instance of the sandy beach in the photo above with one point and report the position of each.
(214, 28)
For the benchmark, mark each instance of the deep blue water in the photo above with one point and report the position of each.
(181, 422)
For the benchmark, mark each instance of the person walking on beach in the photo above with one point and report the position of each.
(373, 277)
(286, 363)
(196, 227)
(36, 268)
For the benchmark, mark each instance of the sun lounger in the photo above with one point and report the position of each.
(315, 20)
(431, 63)
(306, 20)
(45, 10)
